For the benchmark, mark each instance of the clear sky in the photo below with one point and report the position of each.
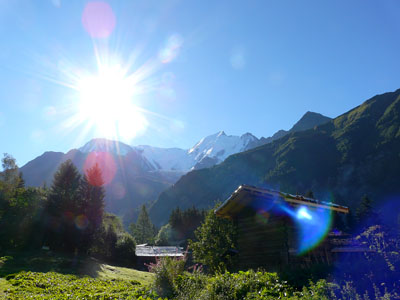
(167, 73)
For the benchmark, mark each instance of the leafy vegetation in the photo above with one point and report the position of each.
(216, 240)
(166, 271)
(59, 286)
(44, 276)
(181, 227)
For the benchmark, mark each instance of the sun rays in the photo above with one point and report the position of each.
(106, 102)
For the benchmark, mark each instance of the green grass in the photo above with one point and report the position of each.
(51, 285)
(46, 276)
(112, 272)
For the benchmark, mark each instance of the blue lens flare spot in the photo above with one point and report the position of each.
(303, 213)
(313, 224)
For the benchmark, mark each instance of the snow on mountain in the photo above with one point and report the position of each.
(217, 147)
(171, 159)
(209, 151)
(104, 145)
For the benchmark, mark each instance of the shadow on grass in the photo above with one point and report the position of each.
(15, 262)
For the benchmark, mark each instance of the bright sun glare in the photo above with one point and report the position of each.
(106, 103)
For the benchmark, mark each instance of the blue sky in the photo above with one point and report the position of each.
(238, 66)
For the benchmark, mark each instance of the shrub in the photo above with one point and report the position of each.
(232, 286)
(216, 241)
(125, 248)
(167, 270)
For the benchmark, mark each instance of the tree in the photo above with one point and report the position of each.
(165, 236)
(184, 222)
(365, 212)
(216, 239)
(21, 181)
(9, 175)
(143, 231)
(63, 208)
(92, 193)
(91, 204)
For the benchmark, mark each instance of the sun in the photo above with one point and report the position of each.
(107, 103)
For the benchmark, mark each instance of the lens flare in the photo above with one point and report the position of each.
(105, 162)
(98, 19)
(171, 49)
(312, 224)
(108, 91)
(81, 222)
(303, 213)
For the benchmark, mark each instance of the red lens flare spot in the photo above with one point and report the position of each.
(106, 164)
(98, 19)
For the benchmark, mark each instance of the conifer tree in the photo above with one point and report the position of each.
(63, 207)
(91, 205)
(143, 231)
(92, 193)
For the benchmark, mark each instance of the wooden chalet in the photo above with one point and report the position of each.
(270, 240)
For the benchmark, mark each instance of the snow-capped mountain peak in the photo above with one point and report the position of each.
(219, 146)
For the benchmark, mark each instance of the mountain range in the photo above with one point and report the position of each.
(143, 172)
(354, 154)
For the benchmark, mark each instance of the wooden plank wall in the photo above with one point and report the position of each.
(270, 242)
(262, 241)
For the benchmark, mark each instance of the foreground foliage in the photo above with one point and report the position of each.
(253, 285)
(52, 285)
(216, 240)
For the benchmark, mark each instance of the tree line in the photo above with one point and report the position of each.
(69, 216)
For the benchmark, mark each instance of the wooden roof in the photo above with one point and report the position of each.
(246, 194)
(152, 251)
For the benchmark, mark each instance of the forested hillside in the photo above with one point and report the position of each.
(357, 153)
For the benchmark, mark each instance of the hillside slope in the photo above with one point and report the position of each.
(356, 153)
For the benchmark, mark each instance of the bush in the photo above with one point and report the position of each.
(167, 270)
(232, 286)
(216, 241)
(252, 285)
(124, 251)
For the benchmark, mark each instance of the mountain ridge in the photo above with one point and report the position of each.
(353, 154)
(142, 172)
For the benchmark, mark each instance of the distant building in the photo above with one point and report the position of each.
(148, 254)
(277, 229)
